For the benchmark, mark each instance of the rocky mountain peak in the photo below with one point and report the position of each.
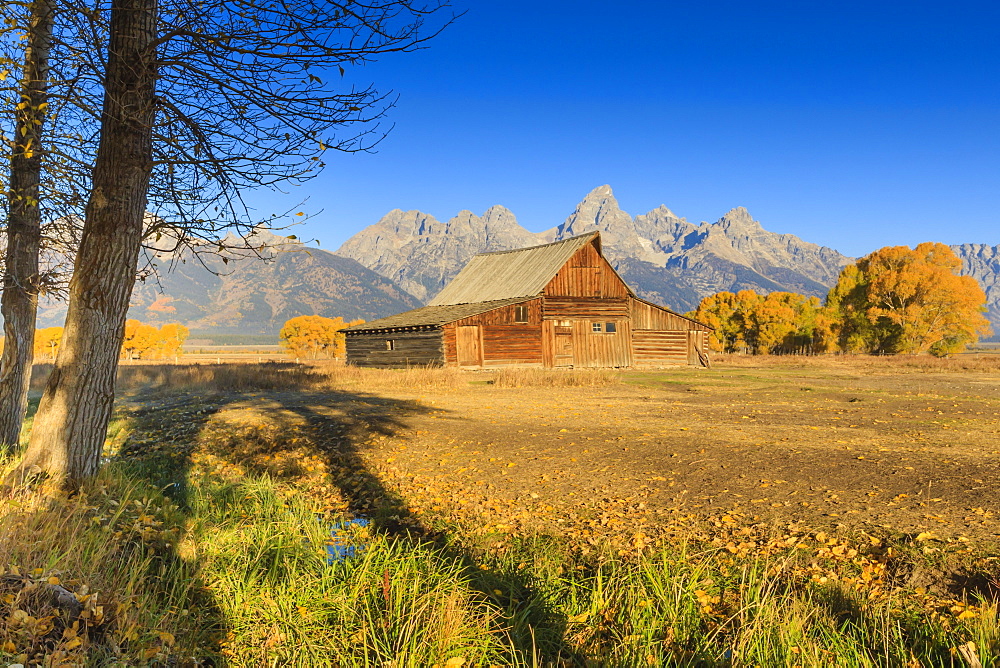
(422, 254)
(599, 211)
(668, 232)
(739, 220)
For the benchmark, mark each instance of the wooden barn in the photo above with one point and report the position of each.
(557, 305)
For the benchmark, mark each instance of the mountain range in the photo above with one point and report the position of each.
(407, 257)
(254, 293)
(664, 257)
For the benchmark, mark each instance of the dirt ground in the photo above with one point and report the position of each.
(833, 447)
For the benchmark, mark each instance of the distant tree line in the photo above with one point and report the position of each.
(314, 337)
(895, 300)
(141, 341)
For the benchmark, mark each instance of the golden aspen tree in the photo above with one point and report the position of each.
(776, 323)
(47, 343)
(903, 300)
(315, 337)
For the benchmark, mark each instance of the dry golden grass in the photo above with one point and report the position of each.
(556, 378)
(925, 363)
(104, 552)
(328, 376)
(240, 377)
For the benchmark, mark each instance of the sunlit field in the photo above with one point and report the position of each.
(767, 511)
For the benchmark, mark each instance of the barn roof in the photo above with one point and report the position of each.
(510, 274)
(434, 315)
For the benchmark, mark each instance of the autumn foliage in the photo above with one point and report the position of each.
(315, 337)
(895, 300)
(47, 343)
(144, 341)
(902, 300)
(777, 323)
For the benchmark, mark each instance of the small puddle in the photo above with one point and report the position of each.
(342, 544)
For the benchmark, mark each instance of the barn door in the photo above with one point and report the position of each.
(563, 355)
(469, 345)
(695, 348)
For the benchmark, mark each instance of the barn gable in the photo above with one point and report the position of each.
(524, 272)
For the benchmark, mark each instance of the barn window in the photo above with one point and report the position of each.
(521, 313)
(597, 326)
(390, 344)
(610, 327)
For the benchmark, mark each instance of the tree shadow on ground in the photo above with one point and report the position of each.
(339, 427)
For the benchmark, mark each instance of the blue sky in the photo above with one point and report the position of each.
(850, 124)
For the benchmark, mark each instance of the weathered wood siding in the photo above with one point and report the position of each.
(648, 316)
(504, 340)
(662, 348)
(584, 291)
(586, 274)
(450, 342)
(409, 349)
(569, 308)
(601, 349)
(512, 344)
(505, 315)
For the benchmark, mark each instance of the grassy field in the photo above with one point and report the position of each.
(766, 512)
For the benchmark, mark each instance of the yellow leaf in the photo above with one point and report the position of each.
(167, 638)
(53, 580)
(924, 535)
(73, 643)
(455, 661)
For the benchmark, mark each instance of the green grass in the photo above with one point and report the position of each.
(236, 573)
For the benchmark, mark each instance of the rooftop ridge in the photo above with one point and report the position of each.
(551, 243)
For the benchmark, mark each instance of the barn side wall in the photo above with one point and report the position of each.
(648, 316)
(415, 348)
(662, 338)
(504, 340)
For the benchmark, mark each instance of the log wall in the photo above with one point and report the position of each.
(668, 347)
(409, 349)
(660, 348)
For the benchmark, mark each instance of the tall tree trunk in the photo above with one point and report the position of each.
(19, 301)
(72, 420)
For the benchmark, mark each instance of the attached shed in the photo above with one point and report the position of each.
(557, 305)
